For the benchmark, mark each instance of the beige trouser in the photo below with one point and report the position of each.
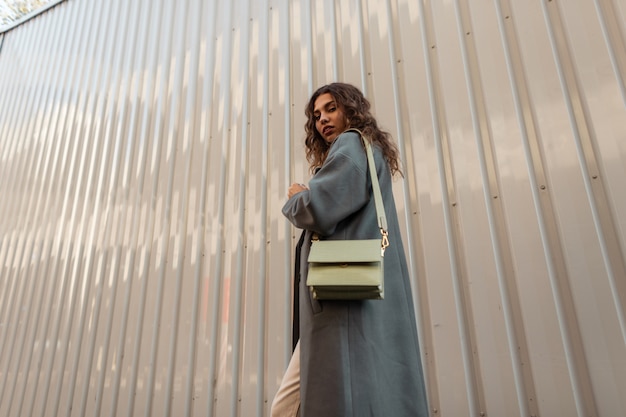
(287, 400)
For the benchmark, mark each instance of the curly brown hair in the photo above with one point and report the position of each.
(356, 108)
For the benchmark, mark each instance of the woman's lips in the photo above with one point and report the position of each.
(327, 130)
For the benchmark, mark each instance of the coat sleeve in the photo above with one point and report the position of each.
(338, 190)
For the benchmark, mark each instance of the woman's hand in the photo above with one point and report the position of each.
(296, 188)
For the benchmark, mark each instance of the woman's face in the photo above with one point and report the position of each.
(330, 121)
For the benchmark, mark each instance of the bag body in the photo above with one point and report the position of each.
(346, 269)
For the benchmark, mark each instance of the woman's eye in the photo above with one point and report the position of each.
(316, 117)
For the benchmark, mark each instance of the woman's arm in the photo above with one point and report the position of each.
(339, 189)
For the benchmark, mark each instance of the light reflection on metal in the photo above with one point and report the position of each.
(145, 150)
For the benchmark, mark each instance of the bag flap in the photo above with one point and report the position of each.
(338, 251)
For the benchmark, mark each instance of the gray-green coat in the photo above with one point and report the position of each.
(357, 358)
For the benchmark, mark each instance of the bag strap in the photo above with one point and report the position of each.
(378, 199)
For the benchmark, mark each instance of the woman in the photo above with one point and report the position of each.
(353, 358)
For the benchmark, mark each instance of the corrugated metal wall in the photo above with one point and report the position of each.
(145, 152)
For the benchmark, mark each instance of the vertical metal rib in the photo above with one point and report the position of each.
(615, 40)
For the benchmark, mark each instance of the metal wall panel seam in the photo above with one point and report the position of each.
(239, 242)
(150, 128)
(308, 24)
(335, 42)
(572, 339)
(21, 248)
(365, 46)
(615, 41)
(179, 115)
(289, 116)
(614, 246)
(189, 139)
(211, 91)
(511, 309)
(288, 170)
(223, 124)
(264, 276)
(169, 125)
(414, 242)
(217, 282)
(446, 176)
(362, 51)
(591, 166)
(314, 47)
(237, 297)
(202, 131)
(288, 173)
